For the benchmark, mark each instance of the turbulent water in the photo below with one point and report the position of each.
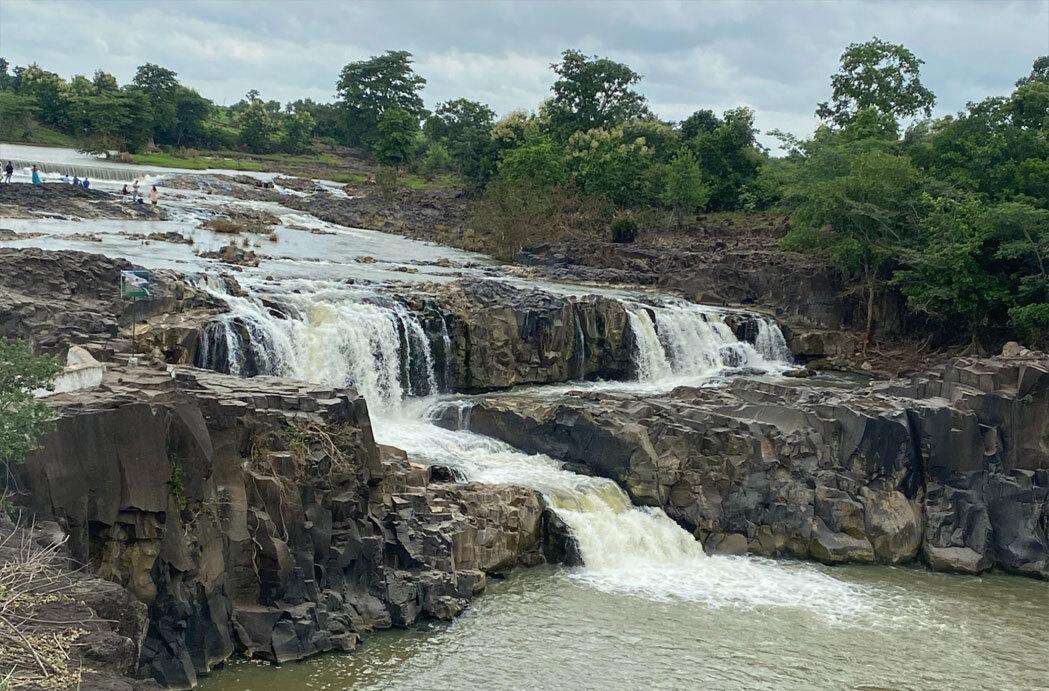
(648, 608)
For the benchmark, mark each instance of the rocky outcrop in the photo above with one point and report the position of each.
(58, 299)
(55, 200)
(490, 335)
(258, 516)
(949, 467)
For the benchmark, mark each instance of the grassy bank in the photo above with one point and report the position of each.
(321, 165)
(40, 136)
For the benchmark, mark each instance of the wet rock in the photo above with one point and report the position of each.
(71, 201)
(259, 516)
(232, 254)
(947, 466)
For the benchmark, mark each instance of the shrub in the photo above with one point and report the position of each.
(624, 229)
(23, 419)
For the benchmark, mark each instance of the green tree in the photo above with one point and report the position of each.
(604, 162)
(435, 160)
(949, 274)
(684, 191)
(104, 81)
(298, 131)
(368, 88)
(464, 128)
(160, 85)
(729, 156)
(857, 207)
(539, 160)
(50, 92)
(397, 133)
(659, 136)
(191, 110)
(16, 115)
(700, 122)
(877, 74)
(23, 419)
(259, 127)
(592, 92)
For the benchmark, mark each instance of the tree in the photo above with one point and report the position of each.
(369, 88)
(880, 75)
(159, 84)
(604, 162)
(23, 419)
(949, 273)
(16, 115)
(259, 128)
(700, 122)
(397, 133)
(103, 81)
(50, 93)
(298, 131)
(464, 128)
(592, 93)
(729, 157)
(435, 160)
(191, 109)
(659, 136)
(539, 160)
(857, 207)
(684, 191)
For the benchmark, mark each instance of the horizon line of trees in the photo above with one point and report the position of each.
(953, 212)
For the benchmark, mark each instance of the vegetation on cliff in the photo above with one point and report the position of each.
(22, 417)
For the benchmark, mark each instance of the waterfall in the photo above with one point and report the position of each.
(689, 341)
(625, 549)
(111, 172)
(329, 337)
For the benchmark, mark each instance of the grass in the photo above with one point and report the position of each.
(40, 136)
(165, 160)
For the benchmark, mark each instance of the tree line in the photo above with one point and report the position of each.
(953, 212)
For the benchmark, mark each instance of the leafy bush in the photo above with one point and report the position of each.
(23, 419)
(624, 229)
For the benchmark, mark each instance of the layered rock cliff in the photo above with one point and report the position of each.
(259, 517)
(949, 468)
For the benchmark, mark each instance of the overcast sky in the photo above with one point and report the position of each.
(775, 57)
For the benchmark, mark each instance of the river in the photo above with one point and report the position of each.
(648, 609)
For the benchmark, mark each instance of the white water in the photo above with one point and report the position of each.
(342, 336)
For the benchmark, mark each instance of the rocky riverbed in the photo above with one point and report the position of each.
(259, 475)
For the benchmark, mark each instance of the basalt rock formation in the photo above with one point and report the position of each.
(490, 335)
(58, 299)
(56, 200)
(259, 517)
(949, 468)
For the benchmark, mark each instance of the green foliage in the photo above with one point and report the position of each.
(728, 154)
(435, 160)
(539, 160)
(397, 134)
(464, 128)
(22, 418)
(591, 92)
(604, 162)
(369, 88)
(624, 229)
(387, 179)
(879, 75)
(684, 191)
(16, 115)
(176, 484)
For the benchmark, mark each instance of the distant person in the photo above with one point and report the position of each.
(76, 181)
(36, 176)
(65, 179)
(134, 191)
(9, 170)
(153, 196)
(125, 192)
(86, 183)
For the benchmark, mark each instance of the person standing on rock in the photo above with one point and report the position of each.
(134, 191)
(36, 176)
(9, 170)
(86, 183)
(153, 195)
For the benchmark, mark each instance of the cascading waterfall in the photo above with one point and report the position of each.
(689, 341)
(335, 338)
(625, 549)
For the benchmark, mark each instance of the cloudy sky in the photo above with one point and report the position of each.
(775, 57)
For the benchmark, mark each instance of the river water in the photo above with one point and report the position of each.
(648, 609)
